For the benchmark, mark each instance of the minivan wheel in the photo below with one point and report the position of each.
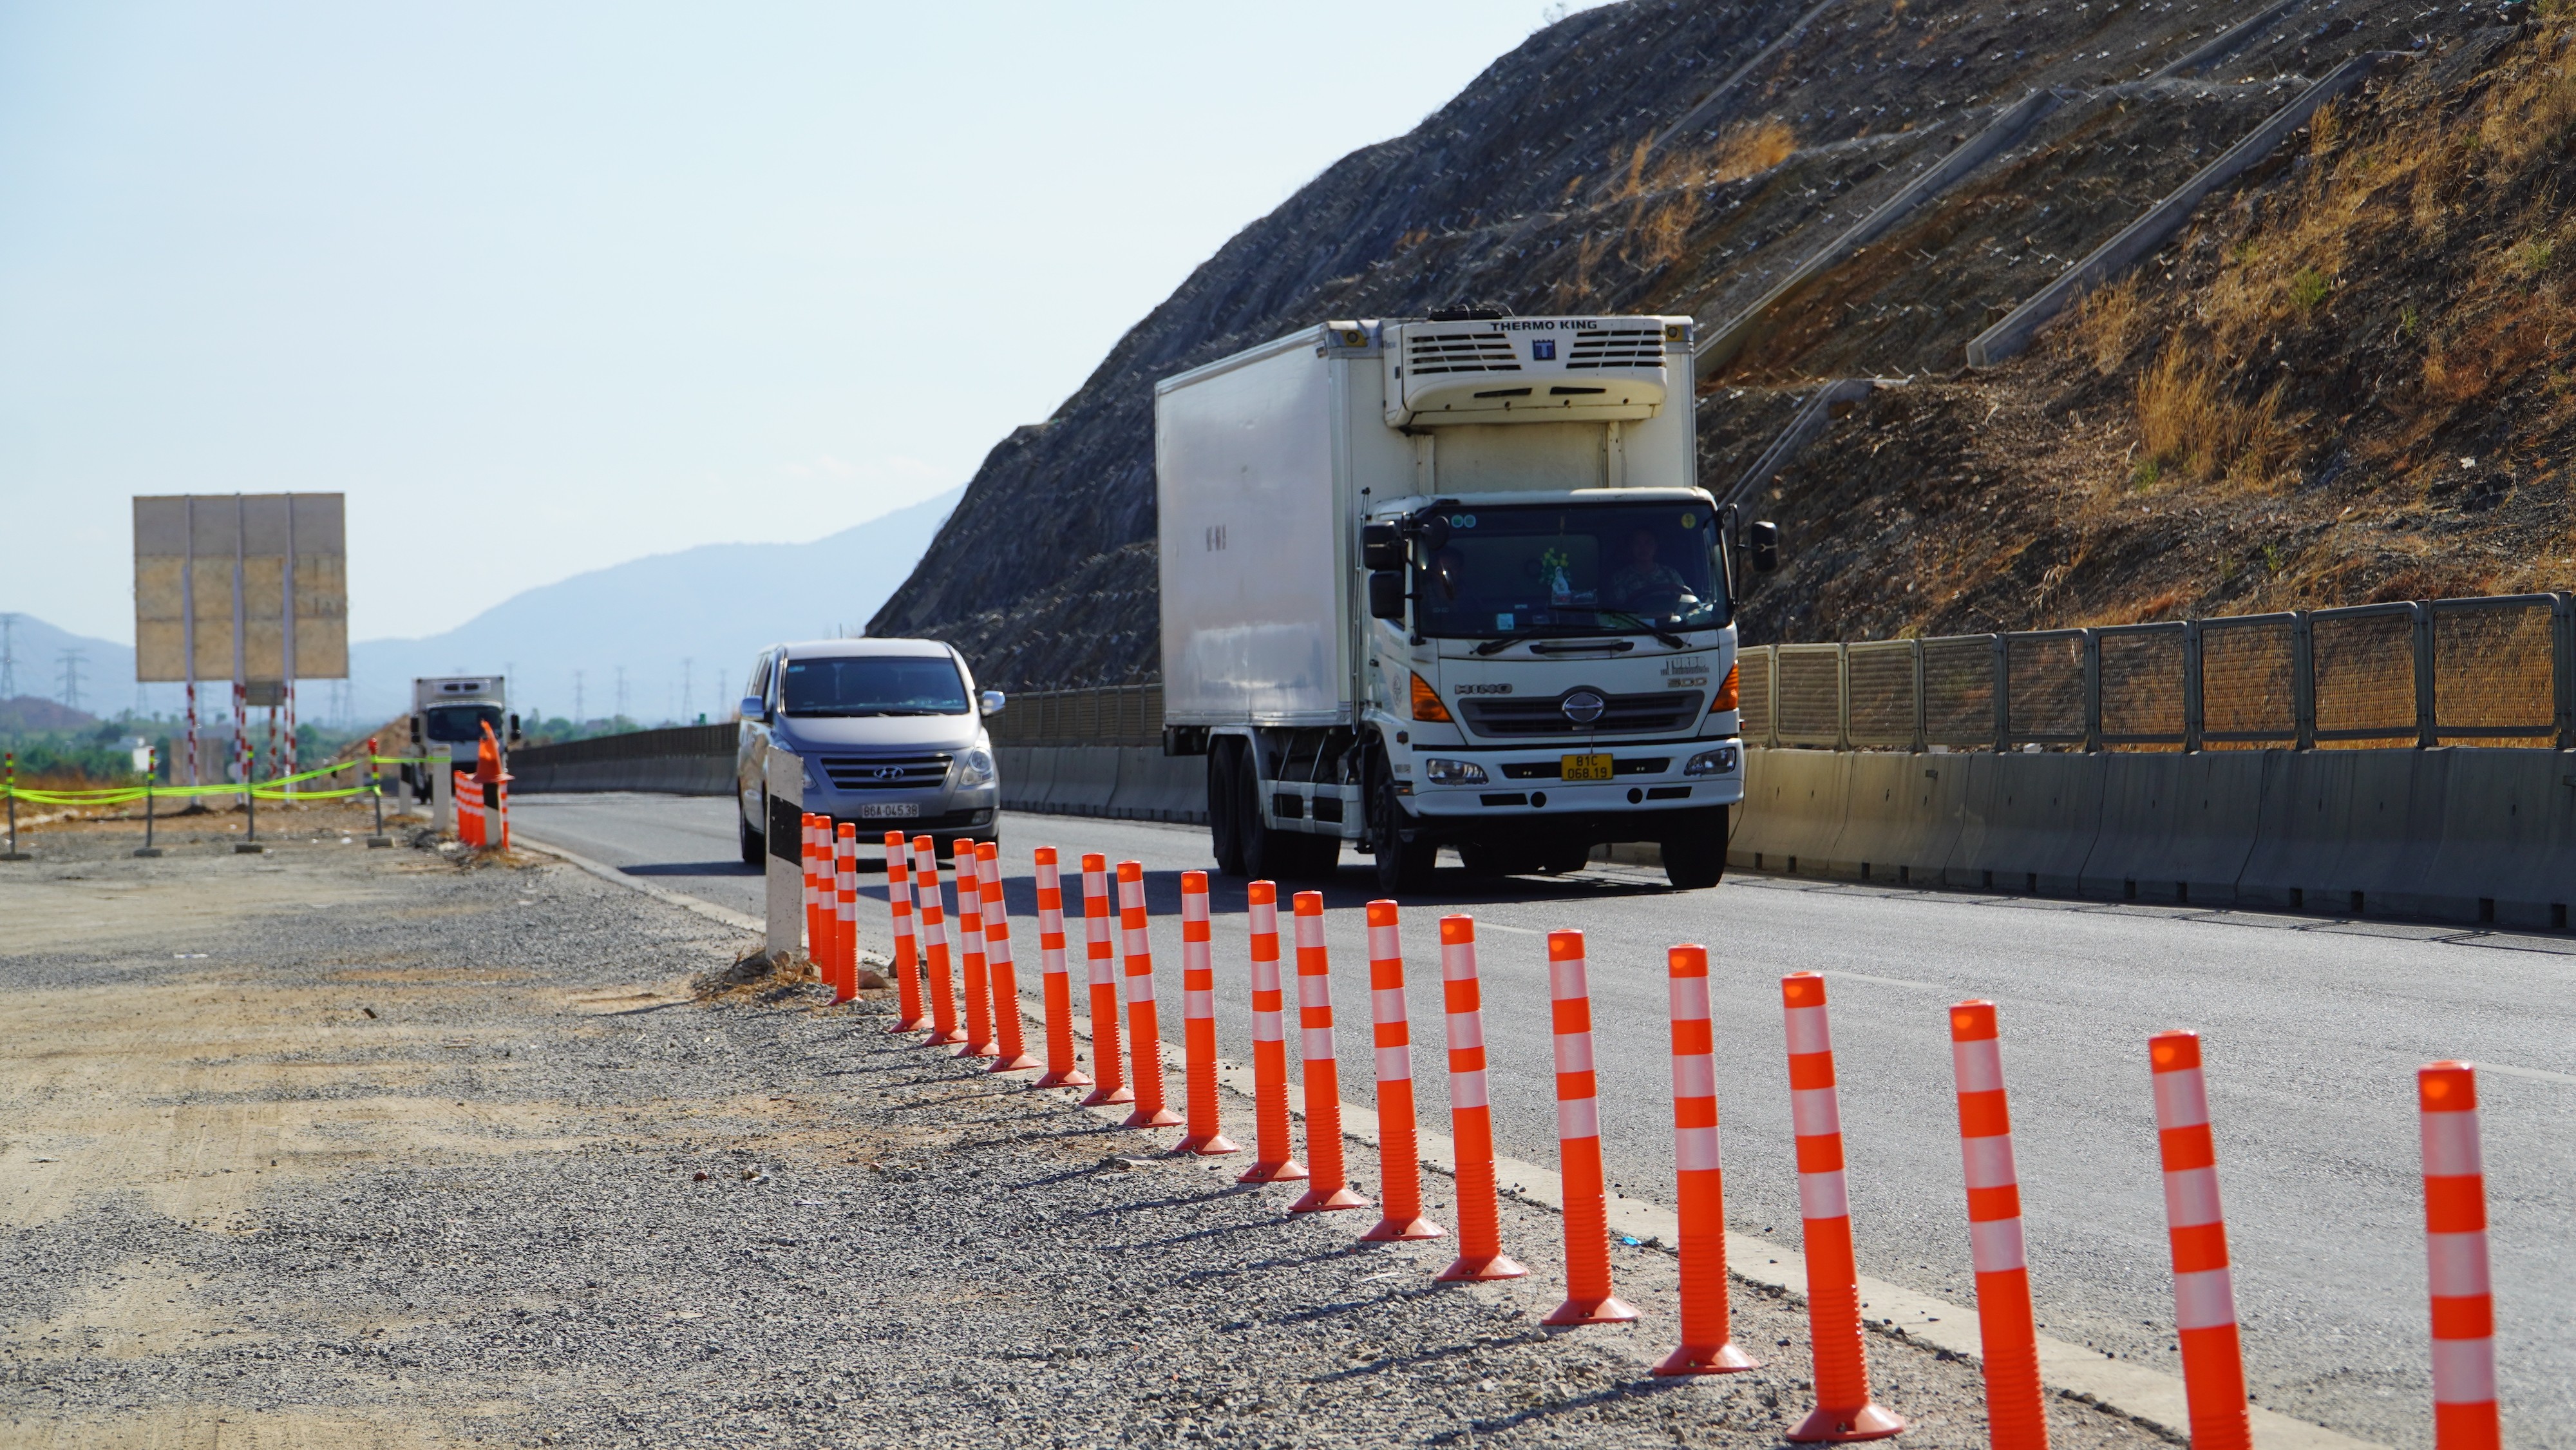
(755, 846)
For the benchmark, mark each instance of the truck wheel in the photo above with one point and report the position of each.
(1268, 854)
(755, 846)
(1225, 812)
(1695, 858)
(1401, 868)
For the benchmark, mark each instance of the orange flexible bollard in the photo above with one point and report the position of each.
(1058, 983)
(934, 946)
(1399, 1148)
(1144, 1029)
(845, 913)
(1471, 1113)
(1328, 1188)
(1206, 1136)
(805, 866)
(970, 938)
(2008, 1332)
(1844, 1410)
(1274, 1151)
(2455, 1252)
(1708, 1340)
(1588, 1297)
(818, 899)
(1013, 1052)
(907, 952)
(2213, 1362)
(1108, 1062)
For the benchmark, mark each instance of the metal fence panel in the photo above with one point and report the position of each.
(2144, 669)
(2044, 687)
(2494, 670)
(1754, 694)
(1959, 691)
(1810, 694)
(2363, 660)
(1884, 700)
(2248, 681)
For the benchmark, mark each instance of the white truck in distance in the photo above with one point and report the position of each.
(1450, 581)
(448, 714)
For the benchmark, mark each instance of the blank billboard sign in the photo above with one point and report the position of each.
(243, 587)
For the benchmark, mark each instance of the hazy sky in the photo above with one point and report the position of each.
(545, 287)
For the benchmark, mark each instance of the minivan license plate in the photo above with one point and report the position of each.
(905, 810)
(1585, 767)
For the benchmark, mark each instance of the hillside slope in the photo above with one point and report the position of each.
(1686, 157)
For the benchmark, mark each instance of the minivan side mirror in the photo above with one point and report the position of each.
(752, 709)
(992, 701)
(1763, 540)
(1386, 594)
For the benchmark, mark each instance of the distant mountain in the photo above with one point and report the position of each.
(102, 678)
(28, 713)
(711, 607)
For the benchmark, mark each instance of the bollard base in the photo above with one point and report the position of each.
(1109, 1097)
(1070, 1077)
(1477, 1271)
(378, 843)
(1869, 1422)
(1213, 1145)
(1021, 1063)
(1608, 1309)
(908, 1024)
(1159, 1118)
(147, 852)
(1698, 1359)
(955, 1038)
(1319, 1201)
(17, 855)
(1286, 1170)
(977, 1049)
(249, 848)
(1389, 1231)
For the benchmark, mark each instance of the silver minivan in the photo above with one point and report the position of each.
(892, 735)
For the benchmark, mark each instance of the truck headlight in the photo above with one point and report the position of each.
(1453, 772)
(975, 767)
(1720, 761)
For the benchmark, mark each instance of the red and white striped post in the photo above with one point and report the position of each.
(1471, 1113)
(934, 942)
(845, 913)
(1273, 1151)
(1108, 1062)
(1206, 1136)
(907, 951)
(1844, 1410)
(2455, 1256)
(1061, 1071)
(2016, 1411)
(1588, 1297)
(2213, 1361)
(1399, 1148)
(970, 936)
(1328, 1188)
(1012, 1052)
(814, 930)
(1708, 1340)
(1144, 1026)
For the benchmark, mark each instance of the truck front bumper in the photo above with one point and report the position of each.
(1525, 790)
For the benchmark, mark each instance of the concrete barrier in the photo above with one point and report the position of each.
(2393, 832)
(1157, 787)
(2031, 822)
(666, 774)
(1901, 818)
(1794, 804)
(2175, 827)
(2508, 836)
(1123, 781)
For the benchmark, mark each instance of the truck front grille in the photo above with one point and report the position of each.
(1618, 347)
(1659, 712)
(1459, 352)
(885, 772)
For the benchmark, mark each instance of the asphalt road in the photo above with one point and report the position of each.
(2312, 1027)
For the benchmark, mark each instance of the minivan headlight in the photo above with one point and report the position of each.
(1453, 772)
(1720, 761)
(975, 767)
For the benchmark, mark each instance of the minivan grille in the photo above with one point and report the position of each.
(1618, 347)
(1459, 352)
(885, 772)
(1661, 710)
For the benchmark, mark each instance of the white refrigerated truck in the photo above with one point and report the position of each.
(1451, 581)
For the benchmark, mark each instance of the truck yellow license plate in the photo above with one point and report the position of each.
(1584, 767)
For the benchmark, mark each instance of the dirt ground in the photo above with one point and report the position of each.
(339, 1147)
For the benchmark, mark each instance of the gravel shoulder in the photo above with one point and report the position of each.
(338, 1147)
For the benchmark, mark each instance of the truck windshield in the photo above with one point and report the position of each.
(1618, 569)
(881, 686)
(460, 724)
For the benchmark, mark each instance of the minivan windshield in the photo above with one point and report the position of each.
(882, 685)
(1571, 569)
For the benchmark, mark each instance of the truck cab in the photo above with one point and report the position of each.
(448, 714)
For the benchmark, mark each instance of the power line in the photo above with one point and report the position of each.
(8, 657)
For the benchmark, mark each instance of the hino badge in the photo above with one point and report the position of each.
(1451, 582)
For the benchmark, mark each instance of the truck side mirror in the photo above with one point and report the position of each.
(515, 737)
(419, 733)
(752, 709)
(991, 702)
(1381, 546)
(1386, 594)
(1763, 540)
